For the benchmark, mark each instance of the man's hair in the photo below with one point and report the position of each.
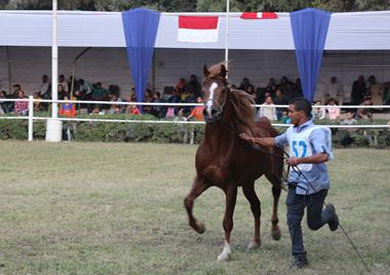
(302, 104)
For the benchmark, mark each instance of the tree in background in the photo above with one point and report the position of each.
(200, 5)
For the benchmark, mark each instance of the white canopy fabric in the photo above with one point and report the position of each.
(347, 31)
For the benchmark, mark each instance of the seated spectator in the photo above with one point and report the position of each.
(181, 85)
(99, 93)
(61, 92)
(334, 90)
(134, 110)
(348, 135)
(67, 109)
(375, 89)
(85, 89)
(45, 88)
(333, 113)
(21, 107)
(251, 90)
(63, 83)
(148, 98)
(180, 116)
(197, 112)
(195, 85)
(157, 111)
(358, 91)
(319, 112)
(268, 112)
(175, 98)
(280, 100)
(37, 104)
(365, 113)
(96, 111)
(245, 83)
(113, 107)
(3, 104)
(285, 118)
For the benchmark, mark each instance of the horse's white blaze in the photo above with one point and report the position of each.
(210, 100)
(224, 256)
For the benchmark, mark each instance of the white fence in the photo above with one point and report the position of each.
(31, 117)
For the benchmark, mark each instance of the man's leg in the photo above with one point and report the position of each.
(295, 211)
(316, 217)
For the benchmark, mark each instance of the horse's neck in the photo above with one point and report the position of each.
(219, 135)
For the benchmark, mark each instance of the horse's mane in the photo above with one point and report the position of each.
(243, 111)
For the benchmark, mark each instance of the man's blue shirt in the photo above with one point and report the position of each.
(320, 142)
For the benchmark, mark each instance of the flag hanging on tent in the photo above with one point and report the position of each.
(198, 29)
(259, 15)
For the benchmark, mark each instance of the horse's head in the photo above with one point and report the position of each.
(215, 92)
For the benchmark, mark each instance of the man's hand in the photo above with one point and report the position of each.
(293, 161)
(246, 137)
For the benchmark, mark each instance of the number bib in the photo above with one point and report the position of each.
(301, 148)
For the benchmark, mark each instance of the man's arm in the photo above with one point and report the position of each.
(315, 159)
(268, 142)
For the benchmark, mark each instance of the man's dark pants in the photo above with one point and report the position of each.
(316, 217)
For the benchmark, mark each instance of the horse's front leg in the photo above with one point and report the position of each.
(198, 187)
(231, 196)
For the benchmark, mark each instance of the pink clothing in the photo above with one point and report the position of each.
(333, 113)
(21, 107)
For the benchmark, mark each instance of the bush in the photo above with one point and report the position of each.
(162, 132)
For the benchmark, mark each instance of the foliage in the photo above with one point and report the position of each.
(200, 5)
(163, 132)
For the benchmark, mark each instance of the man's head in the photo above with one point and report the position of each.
(333, 79)
(299, 111)
(17, 87)
(44, 78)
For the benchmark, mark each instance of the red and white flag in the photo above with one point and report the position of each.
(259, 15)
(198, 29)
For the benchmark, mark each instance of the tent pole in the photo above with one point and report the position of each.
(227, 37)
(9, 70)
(54, 63)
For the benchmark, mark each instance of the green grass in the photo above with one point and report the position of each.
(100, 208)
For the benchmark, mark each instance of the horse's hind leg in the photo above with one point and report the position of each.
(198, 187)
(276, 190)
(250, 195)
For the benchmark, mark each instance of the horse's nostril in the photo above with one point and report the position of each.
(213, 112)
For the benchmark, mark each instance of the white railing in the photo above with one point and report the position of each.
(31, 117)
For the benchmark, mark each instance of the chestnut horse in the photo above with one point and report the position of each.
(226, 161)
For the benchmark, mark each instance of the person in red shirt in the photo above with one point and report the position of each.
(67, 109)
(197, 112)
(134, 110)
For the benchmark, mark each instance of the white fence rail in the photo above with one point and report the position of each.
(31, 117)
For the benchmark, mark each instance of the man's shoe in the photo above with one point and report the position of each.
(334, 220)
(300, 262)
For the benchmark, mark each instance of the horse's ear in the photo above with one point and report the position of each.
(223, 72)
(206, 71)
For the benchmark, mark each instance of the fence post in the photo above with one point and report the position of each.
(30, 117)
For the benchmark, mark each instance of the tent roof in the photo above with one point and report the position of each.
(347, 31)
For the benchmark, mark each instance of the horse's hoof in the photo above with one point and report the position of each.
(224, 257)
(253, 245)
(200, 228)
(276, 234)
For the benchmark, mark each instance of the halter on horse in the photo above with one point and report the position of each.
(225, 161)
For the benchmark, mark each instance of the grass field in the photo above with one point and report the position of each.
(100, 208)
